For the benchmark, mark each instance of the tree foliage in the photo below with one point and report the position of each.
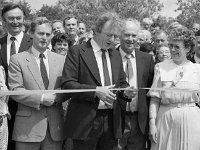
(2, 4)
(26, 6)
(190, 12)
(88, 10)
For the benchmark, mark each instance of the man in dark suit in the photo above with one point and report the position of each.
(93, 119)
(70, 24)
(13, 15)
(195, 58)
(139, 68)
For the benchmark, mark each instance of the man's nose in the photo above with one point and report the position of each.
(15, 20)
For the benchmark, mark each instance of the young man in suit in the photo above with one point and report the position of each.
(13, 17)
(139, 68)
(39, 122)
(70, 24)
(93, 119)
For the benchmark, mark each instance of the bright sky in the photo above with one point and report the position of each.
(168, 10)
(169, 7)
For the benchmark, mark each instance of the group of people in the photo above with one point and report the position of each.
(110, 70)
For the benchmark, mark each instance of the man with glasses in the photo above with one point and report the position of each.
(93, 120)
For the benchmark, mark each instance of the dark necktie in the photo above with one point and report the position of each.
(12, 47)
(105, 68)
(43, 71)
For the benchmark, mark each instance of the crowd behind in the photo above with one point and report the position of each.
(168, 57)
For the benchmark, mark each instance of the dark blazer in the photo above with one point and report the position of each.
(145, 73)
(81, 72)
(25, 45)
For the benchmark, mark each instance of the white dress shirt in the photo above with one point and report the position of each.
(18, 41)
(98, 56)
(36, 53)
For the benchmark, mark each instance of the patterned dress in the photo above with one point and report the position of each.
(178, 118)
(3, 113)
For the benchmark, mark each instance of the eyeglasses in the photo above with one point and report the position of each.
(174, 46)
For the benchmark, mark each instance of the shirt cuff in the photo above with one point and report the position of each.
(42, 99)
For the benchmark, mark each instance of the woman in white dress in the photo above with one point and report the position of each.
(174, 117)
(3, 112)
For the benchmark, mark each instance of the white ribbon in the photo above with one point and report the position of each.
(30, 92)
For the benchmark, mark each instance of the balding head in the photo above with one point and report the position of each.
(128, 38)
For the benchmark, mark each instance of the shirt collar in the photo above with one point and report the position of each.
(18, 37)
(123, 54)
(95, 46)
(197, 59)
(36, 53)
(76, 38)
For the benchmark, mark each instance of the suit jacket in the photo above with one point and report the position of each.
(145, 74)
(81, 72)
(25, 45)
(31, 117)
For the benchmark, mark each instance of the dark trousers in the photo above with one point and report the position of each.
(101, 137)
(12, 105)
(133, 138)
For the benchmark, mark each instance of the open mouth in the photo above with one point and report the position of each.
(130, 44)
(15, 27)
(108, 43)
(43, 43)
(176, 54)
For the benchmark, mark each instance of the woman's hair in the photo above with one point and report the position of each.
(186, 36)
(182, 34)
(147, 47)
(60, 37)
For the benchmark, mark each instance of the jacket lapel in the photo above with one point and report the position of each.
(88, 56)
(26, 43)
(34, 69)
(53, 70)
(140, 67)
(4, 51)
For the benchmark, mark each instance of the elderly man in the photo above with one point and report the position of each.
(160, 39)
(139, 68)
(93, 120)
(39, 122)
(144, 36)
(146, 23)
